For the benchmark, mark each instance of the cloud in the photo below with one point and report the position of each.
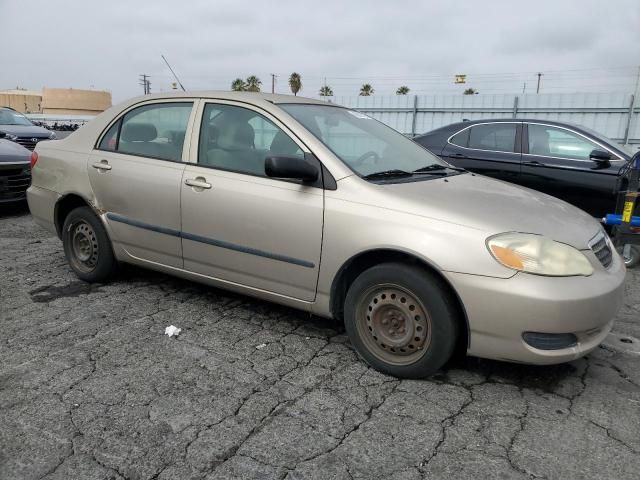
(421, 44)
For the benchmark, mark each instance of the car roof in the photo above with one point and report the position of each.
(255, 97)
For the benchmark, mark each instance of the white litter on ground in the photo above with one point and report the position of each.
(171, 331)
(261, 346)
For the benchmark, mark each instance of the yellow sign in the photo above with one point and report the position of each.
(461, 79)
(628, 210)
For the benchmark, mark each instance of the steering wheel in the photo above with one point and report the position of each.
(360, 160)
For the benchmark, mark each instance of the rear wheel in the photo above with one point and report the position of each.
(401, 319)
(87, 246)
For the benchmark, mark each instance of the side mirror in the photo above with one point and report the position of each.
(600, 155)
(294, 168)
(2, 134)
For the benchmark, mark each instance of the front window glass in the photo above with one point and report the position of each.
(238, 139)
(9, 117)
(364, 144)
(558, 142)
(496, 137)
(155, 130)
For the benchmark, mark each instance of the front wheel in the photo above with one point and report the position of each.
(402, 320)
(87, 246)
(630, 254)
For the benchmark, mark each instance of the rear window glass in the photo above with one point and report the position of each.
(462, 138)
(496, 137)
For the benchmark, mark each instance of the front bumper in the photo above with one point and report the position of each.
(501, 310)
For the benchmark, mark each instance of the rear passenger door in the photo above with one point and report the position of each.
(136, 172)
(491, 149)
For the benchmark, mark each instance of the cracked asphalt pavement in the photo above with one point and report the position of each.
(91, 388)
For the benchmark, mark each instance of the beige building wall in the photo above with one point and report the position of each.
(70, 101)
(21, 100)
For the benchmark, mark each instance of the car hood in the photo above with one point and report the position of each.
(11, 152)
(494, 206)
(26, 131)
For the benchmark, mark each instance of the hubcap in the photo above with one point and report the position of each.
(394, 324)
(84, 245)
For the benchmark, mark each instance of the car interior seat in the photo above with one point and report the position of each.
(137, 138)
(235, 149)
(539, 142)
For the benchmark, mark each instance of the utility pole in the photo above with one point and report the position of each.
(273, 83)
(524, 87)
(146, 83)
(538, 87)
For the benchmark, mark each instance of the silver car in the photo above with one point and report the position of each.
(324, 209)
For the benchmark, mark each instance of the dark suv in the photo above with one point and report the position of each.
(569, 162)
(19, 129)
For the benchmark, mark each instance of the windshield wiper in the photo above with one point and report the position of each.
(387, 174)
(436, 168)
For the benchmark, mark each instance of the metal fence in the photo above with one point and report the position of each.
(612, 114)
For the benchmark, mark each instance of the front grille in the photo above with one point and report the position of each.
(29, 142)
(14, 182)
(602, 250)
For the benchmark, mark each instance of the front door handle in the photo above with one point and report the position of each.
(198, 182)
(458, 155)
(532, 164)
(101, 165)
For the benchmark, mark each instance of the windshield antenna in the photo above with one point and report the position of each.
(174, 73)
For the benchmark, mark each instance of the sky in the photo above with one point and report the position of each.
(578, 45)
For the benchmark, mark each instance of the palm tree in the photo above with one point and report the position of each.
(325, 91)
(295, 83)
(252, 84)
(470, 91)
(238, 85)
(403, 90)
(366, 90)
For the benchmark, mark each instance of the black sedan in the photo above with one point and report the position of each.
(569, 162)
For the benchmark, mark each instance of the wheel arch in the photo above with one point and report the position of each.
(360, 262)
(64, 206)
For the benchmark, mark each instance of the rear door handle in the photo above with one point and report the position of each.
(532, 164)
(459, 155)
(101, 165)
(198, 182)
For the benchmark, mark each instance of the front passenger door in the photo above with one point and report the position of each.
(239, 225)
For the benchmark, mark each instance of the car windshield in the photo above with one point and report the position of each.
(9, 117)
(367, 146)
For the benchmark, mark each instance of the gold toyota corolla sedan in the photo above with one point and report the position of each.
(325, 209)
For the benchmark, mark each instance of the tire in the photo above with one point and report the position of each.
(87, 246)
(630, 254)
(402, 320)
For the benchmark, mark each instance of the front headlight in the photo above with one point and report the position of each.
(10, 136)
(536, 254)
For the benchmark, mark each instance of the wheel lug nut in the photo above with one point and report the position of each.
(385, 321)
(401, 330)
(392, 331)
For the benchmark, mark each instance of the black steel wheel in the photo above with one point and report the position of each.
(87, 246)
(401, 319)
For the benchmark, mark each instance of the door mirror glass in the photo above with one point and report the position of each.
(291, 168)
(2, 134)
(600, 155)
